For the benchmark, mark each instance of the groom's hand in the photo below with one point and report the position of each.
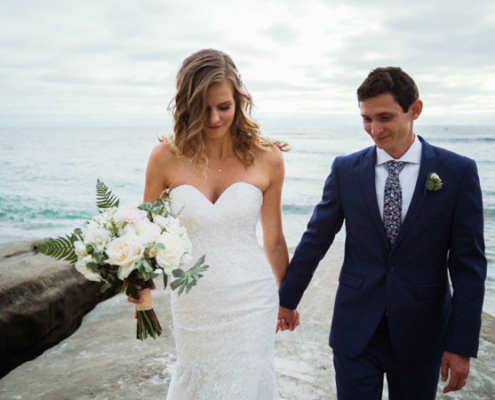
(287, 319)
(459, 371)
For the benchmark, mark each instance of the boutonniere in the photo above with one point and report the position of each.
(433, 182)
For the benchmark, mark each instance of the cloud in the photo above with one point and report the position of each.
(281, 32)
(117, 60)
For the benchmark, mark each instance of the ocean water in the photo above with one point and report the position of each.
(48, 175)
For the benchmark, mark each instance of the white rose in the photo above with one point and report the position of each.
(125, 253)
(97, 219)
(80, 249)
(92, 224)
(98, 236)
(82, 266)
(161, 221)
(175, 227)
(144, 232)
(170, 224)
(118, 220)
(171, 257)
(108, 218)
(130, 213)
(104, 217)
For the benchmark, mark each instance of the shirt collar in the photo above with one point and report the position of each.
(412, 155)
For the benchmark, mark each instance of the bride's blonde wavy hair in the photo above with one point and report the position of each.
(199, 72)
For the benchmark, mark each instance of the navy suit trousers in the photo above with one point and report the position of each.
(362, 377)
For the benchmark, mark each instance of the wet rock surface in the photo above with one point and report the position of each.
(42, 301)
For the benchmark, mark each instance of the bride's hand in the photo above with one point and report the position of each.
(140, 292)
(287, 319)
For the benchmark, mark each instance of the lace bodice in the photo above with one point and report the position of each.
(236, 209)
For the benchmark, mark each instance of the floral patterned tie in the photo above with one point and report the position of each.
(392, 206)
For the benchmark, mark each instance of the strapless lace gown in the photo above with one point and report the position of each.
(224, 327)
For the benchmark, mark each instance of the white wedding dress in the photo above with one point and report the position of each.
(224, 327)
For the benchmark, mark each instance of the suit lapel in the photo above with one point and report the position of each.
(429, 163)
(367, 173)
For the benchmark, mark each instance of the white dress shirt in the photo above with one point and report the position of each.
(407, 177)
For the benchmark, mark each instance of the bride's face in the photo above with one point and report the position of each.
(221, 110)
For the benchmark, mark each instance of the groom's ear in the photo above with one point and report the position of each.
(416, 108)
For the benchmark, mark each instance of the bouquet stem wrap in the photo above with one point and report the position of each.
(147, 303)
(147, 322)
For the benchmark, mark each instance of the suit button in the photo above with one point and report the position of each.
(390, 268)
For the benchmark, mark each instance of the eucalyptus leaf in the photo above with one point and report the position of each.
(165, 279)
(154, 275)
(93, 266)
(147, 266)
(141, 274)
(101, 257)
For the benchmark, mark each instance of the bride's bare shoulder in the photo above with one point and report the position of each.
(272, 156)
(160, 171)
(163, 155)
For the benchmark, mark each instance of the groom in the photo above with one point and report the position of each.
(413, 218)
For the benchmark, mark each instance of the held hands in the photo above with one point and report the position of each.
(459, 371)
(287, 319)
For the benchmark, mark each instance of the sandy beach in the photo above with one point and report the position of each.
(103, 360)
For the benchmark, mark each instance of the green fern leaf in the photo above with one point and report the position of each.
(61, 248)
(104, 197)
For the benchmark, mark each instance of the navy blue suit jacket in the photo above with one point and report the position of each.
(442, 235)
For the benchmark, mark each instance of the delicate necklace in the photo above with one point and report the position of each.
(213, 168)
(218, 169)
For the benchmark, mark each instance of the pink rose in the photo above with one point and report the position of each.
(130, 213)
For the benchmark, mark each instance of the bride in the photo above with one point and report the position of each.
(223, 175)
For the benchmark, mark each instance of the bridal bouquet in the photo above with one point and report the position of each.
(129, 243)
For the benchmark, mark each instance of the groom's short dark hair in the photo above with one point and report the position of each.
(391, 80)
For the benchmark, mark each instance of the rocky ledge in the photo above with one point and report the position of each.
(42, 302)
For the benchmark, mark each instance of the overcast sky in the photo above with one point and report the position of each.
(114, 62)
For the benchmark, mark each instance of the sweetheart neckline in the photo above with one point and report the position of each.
(221, 195)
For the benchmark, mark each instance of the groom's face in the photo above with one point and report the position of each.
(388, 125)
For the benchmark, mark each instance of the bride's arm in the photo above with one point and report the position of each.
(271, 216)
(156, 172)
(156, 183)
